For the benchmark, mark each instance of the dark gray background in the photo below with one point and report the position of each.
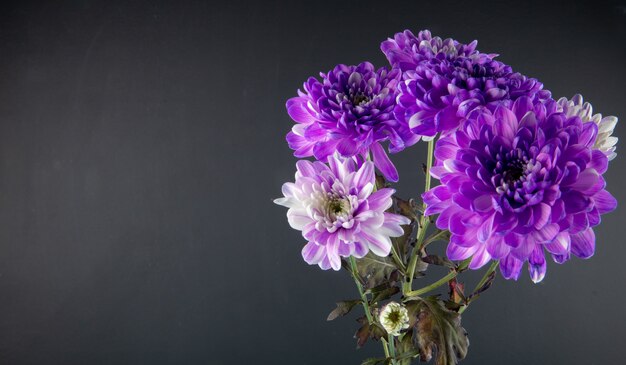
(141, 145)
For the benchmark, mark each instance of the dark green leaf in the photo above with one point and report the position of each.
(439, 261)
(377, 332)
(438, 332)
(453, 306)
(374, 270)
(407, 208)
(405, 348)
(367, 331)
(374, 361)
(381, 182)
(362, 335)
(407, 356)
(420, 268)
(383, 294)
(402, 243)
(485, 286)
(343, 308)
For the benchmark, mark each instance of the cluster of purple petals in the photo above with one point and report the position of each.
(444, 80)
(338, 211)
(349, 111)
(517, 182)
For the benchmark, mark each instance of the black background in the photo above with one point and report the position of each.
(142, 143)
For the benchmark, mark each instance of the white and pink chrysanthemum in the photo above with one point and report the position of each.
(338, 212)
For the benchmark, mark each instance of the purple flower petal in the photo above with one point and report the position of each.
(456, 252)
(380, 200)
(313, 253)
(383, 163)
(297, 111)
(560, 245)
(584, 243)
(537, 265)
(364, 176)
(604, 202)
(510, 267)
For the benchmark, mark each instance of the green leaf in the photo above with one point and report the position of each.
(374, 361)
(438, 331)
(407, 356)
(402, 243)
(407, 208)
(362, 335)
(381, 182)
(374, 270)
(420, 268)
(343, 308)
(367, 331)
(439, 261)
(385, 292)
(405, 348)
(485, 286)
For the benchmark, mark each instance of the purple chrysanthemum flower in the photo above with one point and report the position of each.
(444, 80)
(577, 107)
(518, 181)
(350, 111)
(334, 207)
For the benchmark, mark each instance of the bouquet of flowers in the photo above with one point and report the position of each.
(519, 178)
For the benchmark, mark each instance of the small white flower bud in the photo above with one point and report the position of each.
(394, 317)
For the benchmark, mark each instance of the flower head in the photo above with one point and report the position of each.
(576, 107)
(519, 181)
(349, 111)
(445, 79)
(334, 207)
(394, 317)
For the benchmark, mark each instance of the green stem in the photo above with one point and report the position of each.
(444, 280)
(423, 223)
(492, 268)
(364, 301)
(397, 259)
(392, 350)
(434, 238)
(429, 164)
(357, 281)
(385, 347)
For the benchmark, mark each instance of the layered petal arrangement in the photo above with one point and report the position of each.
(443, 80)
(349, 111)
(521, 177)
(518, 182)
(394, 318)
(338, 213)
(577, 107)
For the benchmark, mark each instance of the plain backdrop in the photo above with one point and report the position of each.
(142, 143)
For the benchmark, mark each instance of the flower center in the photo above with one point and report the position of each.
(394, 317)
(510, 171)
(337, 207)
(359, 99)
(514, 171)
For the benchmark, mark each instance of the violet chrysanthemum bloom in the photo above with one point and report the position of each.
(577, 107)
(516, 182)
(444, 80)
(350, 111)
(334, 207)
